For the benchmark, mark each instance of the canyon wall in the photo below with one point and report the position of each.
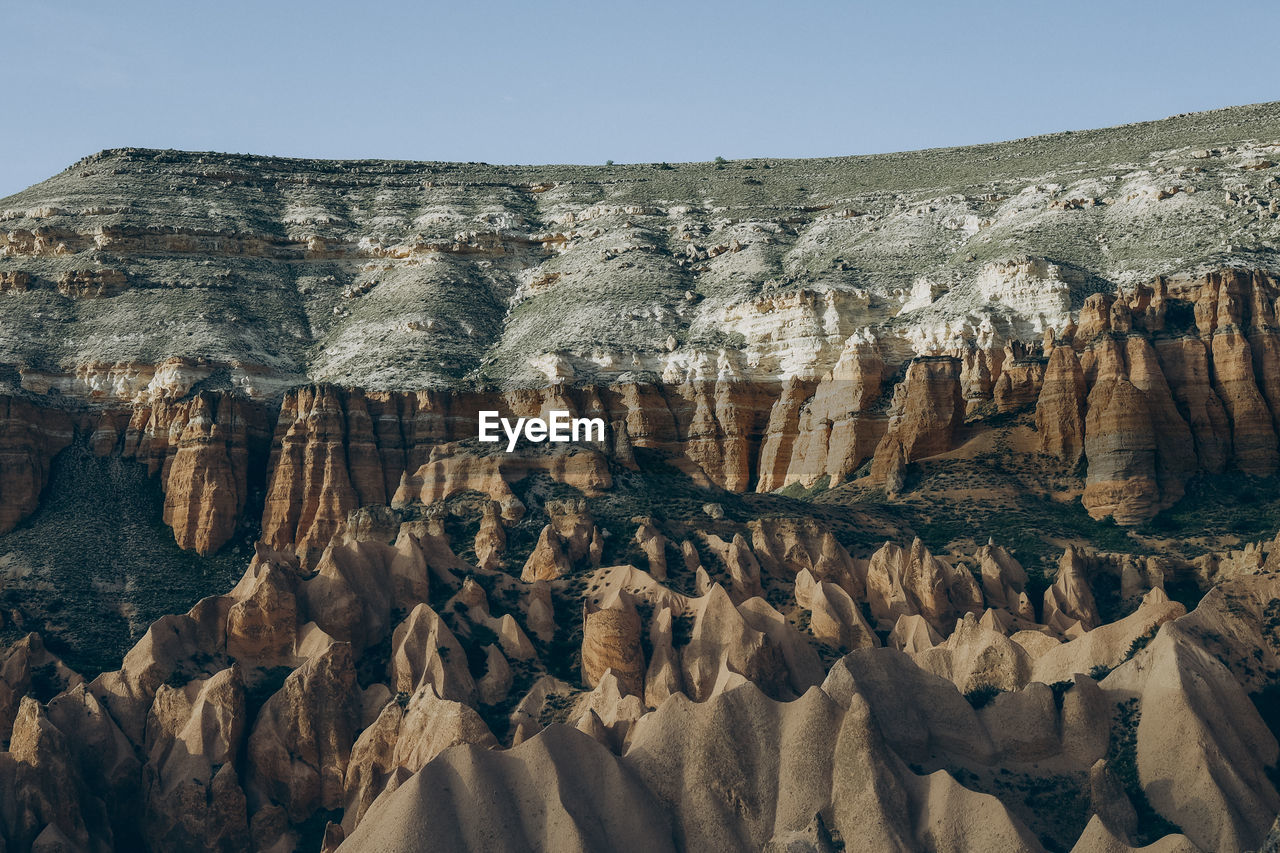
(1142, 403)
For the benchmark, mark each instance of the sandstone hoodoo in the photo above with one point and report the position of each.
(912, 502)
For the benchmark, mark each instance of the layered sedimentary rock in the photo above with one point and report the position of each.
(1060, 408)
(927, 408)
(30, 436)
(607, 642)
(1144, 405)
(206, 481)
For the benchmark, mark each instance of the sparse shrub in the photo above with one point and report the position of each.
(1060, 689)
(1122, 755)
(982, 696)
(1140, 643)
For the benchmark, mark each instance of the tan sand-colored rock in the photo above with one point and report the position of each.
(1019, 384)
(262, 626)
(913, 634)
(45, 798)
(491, 538)
(663, 677)
(909, 581)
(1107, 645)
(1004, 581)
(927, 408)
(311, 489)
(495, 684)
(301, 741)
(680, 751)
(1023, 724)
(1097, 838)
(920, 714)
(744, 568)
(1036, 643)
(541, 619)
(778, 450)
(1186, 364)
(722, 643)
(548, 700)
(206, 479)
(689, 553)
(547, 560)
(26, 667)
(358, 585)
(424, 651)
(835, 618)
(473, 798)
(654, 546)
(827, 429)
(1110, 802)
(974, 657)
(1069, 608)
(403, 739)
(611, 643)
(1201, 746)
(193, 794)
(1086, 721)
(786, 546)
(608, 712)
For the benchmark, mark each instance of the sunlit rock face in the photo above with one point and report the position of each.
(755, 610)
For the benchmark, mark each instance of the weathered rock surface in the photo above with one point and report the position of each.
(441, 643)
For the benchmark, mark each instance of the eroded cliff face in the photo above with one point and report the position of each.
(1140, 404)
(763, 324)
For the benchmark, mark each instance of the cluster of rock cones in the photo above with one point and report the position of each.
(391, 695)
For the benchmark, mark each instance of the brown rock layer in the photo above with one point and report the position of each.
(927, 408)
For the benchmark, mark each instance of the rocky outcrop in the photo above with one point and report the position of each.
(1069, 608)
(207, 451)
(376, 699)
(1140, 451)
(834, 618)
(785, 547)
(324, 464)
(207, 479)
(404, 738)
(927, 408)
(654, 546)
(1020, 384)
(30, 436)
(611, 643)
(906, 582)
(28, 668)
(301, 743)
(193, 794)
(426, 645)
(828, 429)
(1004, 582)
(1060, 409)
(491, 538)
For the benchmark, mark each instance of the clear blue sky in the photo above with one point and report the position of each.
(530, 82)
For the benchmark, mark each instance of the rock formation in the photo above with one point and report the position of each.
(754, 610)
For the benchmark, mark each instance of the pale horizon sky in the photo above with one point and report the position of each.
(576, 82)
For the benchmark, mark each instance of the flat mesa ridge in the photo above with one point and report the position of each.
(398, 275)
